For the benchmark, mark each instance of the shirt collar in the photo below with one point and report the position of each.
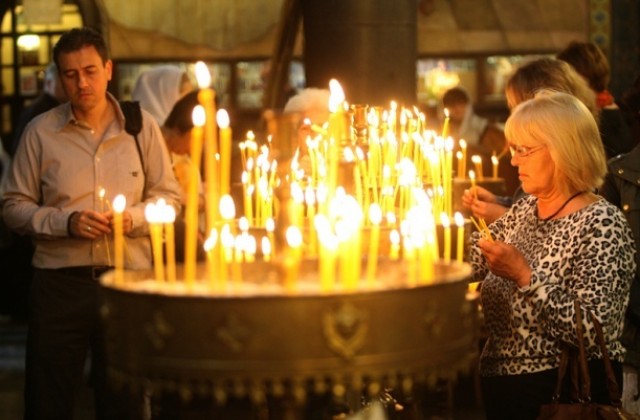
(67, 117)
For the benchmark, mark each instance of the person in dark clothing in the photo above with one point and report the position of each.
(622, 188)
(52, 95)
(592, 64)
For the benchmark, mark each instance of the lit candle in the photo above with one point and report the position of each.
(191, 208)
(460, 171)
(292, 260)
(209, 247)
(472, 178)
(119, 204)
(459, 219)
(206, 97)
(336, 133)
(375, 216)
(228, 213)
(266, 249)
(394, 238)
(494, 163)
(477, 161)
(310, 199)
(101, 194)
(169, 219)
(463, 149)
(445, 126)
(328, 247)
(225, 150)
(446, 226)
(270, 226)
(153, 217)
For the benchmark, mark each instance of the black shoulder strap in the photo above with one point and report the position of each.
(133, 123)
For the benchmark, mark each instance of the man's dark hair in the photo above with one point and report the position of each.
(78, 38)
(454, 96)
(180, 117)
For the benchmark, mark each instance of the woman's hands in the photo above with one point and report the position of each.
(483, 204)
(506, 261)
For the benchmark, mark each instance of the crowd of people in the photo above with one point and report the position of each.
(567, 234)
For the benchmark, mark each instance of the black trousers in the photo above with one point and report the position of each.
(519, 397)
(63, 326)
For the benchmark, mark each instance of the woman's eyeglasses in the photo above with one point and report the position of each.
(523, 151)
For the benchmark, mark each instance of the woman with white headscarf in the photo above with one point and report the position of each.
(159, 88)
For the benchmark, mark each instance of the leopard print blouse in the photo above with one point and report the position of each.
(588, 254)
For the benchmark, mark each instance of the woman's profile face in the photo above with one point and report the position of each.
(536, 168)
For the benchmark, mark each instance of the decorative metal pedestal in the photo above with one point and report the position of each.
(257, 342)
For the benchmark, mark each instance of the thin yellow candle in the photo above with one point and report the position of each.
(191, 208)
(228, 213)
(477, 161)
(209, 247)
(445, 126)
(446, 226)
(225, 150)
(459, 219)
(270, 226)
(153, 217)
(294, 255)
(375, 216)
(460, 171)
(247, 191)
(472, 178)
(310, 200)
(328, 246)
(266, 249)
(394, 238)
(170, 245)
(463, 149)
(101, 194)
(494, 165)
(119, 204)
(206, 97)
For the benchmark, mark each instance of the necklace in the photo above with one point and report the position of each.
(561, 207)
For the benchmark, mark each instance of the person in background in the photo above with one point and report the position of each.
(19, 248)
(176, 131)
(591, 62)
(558, 244)
(52, 95)
(159, 88)
(483, 137)
(61, 209)
(542, 73)
(622, 188)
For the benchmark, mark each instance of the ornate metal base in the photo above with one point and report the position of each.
(254, 346)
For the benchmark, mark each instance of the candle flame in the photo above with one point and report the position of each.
(294, 236)
(336, 98)
(463, 144)
(202, 75)
(459, 218)
(198, 116)
(101, 193)
(222, 116)
(266, 246)
(472, 175)
(211, 241)
(375, 213)
(227, 207)
(444, 220)
(476, 159)
(446, 112)
(119, 203)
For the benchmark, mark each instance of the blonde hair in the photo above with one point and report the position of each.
(567, 128)
(548, 73)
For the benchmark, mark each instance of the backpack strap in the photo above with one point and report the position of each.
(133, 124)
